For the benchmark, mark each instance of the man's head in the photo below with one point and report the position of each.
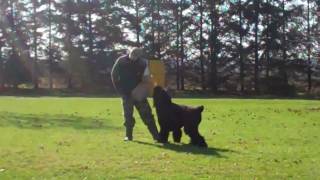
(135, 53)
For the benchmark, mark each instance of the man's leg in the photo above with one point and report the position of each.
(145, 112)
(129, 120)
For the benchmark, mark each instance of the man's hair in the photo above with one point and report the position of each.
(135, 53)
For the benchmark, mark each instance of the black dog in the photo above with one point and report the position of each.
(172, 117)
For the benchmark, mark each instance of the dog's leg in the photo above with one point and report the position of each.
(164, 134)
(177, 133)
(191, 133)
(202, 142)
(195, 137)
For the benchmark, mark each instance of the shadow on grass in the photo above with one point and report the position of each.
(40, 121)
(186, 148)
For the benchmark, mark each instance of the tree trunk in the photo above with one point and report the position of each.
(13, 47)
(203, 84)
(69, 46)
(152, 29)
(91, 58)
(284, 44)
(241, 49)
(177, 52)
(50, 47)
(213, 46)
(1, 71)
(158, 31)
(90, 30)
(256, 59)
(13, 28)
(137, 23)
(35, 37)
(309, 49)
(181, 47)
(268, 46)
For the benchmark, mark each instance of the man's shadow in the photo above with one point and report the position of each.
(187, 148)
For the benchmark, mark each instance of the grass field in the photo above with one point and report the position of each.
(81, 138)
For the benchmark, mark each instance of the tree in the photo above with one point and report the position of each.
(183, 5)
(17, 36)
(35, 23)
(241, 33)
(309, 46)
(3, 5)
(244, 41)
(213, 43)
(268, 19)
(35, 5)
(201, 39)
(50, 50)
(256, 46)
(178, 55)
(1, 63)
(69, 28)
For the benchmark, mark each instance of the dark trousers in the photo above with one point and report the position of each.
(145, 113)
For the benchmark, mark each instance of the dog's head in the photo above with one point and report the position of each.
(160, 96)
(200, 108)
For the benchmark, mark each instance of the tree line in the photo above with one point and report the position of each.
(261, 46)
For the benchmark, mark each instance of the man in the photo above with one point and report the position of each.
(127, 73)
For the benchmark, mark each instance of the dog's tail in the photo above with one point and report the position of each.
(200, 108)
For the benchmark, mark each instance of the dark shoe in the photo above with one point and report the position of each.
(128, 136)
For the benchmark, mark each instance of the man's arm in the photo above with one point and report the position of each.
(115, 77)
(141, 91)
(146, 74)
(115, 72)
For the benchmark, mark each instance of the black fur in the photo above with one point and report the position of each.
(172, 117)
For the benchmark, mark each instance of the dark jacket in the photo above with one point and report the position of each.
(127, 74)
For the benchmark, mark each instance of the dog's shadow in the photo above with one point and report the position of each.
(187, 148)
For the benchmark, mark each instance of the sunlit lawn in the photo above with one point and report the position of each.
(81, 138)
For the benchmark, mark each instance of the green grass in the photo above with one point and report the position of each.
(81, 138)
